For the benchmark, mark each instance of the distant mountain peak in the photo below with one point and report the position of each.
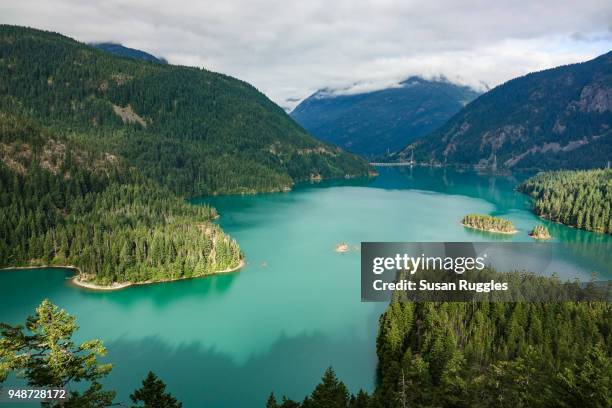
(359, 88)
(123, 51)
(419, 80)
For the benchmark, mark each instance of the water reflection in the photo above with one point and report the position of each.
(287, 368)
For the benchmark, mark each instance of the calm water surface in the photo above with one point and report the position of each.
(227, 341)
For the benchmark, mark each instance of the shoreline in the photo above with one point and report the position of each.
(491, 231)
(10, 268)
(75, 280)
(539, 237)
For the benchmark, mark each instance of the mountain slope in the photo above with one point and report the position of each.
(122, 51)
(557, 118)
(374, 122)
(195, 131)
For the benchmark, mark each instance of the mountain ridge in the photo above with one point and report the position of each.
(371, 123)
(123, 51)
(549, 119)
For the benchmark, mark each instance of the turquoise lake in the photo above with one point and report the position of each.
(295, 309)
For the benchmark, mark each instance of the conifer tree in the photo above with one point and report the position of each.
(329, 393)
(271, 402)
(44, 353)
(153, 394)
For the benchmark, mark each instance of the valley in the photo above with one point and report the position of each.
(203, 236)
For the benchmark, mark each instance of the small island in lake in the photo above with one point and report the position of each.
(488, 223)
(540, 232)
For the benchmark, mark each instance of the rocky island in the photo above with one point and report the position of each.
(342, 247)
(540, 232)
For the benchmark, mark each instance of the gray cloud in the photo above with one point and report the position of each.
(290, 49)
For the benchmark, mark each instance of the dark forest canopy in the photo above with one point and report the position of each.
(495, 354)
(195, 131)
(581, 199)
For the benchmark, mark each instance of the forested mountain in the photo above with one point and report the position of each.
(194, 131)
(557, 118)
(122, 51)
(63, 203)
(374, 123)
(581, 198)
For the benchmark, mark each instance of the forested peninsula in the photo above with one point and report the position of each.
(580, 198)
(61, 204)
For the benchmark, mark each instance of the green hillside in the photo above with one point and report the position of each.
(195, 131)
(552, 119)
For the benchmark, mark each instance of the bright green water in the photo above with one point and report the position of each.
(227, 341)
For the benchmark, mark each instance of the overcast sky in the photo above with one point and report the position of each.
(289, 49)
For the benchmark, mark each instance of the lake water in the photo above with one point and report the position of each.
(229, 340)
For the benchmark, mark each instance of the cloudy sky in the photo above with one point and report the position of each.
(289, 49)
